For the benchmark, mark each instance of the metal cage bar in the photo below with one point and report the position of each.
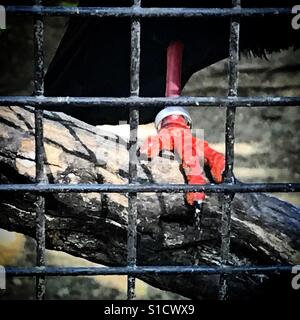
(135, 12)
(133, 123)
(168, 188)
(134, 102)
(39, 151)
(44, 102)
(229, 144)
(141, 270)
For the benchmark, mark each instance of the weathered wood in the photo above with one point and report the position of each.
(265, 229)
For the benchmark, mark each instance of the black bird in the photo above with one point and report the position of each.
(93, 58)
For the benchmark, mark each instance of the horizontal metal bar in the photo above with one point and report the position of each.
(92, 271)
(168, 188)
(44, 102)
(120, 12)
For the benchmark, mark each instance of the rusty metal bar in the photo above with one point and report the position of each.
(142, 102)
(168, 188)
(133, 12)
(135, 271)
(133, 140)
(229, 143)
(39, 151)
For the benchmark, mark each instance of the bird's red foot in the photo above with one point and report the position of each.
(175, 135)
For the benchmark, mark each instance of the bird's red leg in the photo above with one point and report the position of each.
(174, 65)
(174, 132)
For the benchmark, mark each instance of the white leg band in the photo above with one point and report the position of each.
(170, 111)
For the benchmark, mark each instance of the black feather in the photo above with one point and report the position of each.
(93, 58)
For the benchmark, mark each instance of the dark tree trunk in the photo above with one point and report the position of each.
(265, 230)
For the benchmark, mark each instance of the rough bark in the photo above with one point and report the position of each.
(265, 230)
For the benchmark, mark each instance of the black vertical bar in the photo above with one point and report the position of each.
(229, 141)
(133, 122)
(39, 149)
